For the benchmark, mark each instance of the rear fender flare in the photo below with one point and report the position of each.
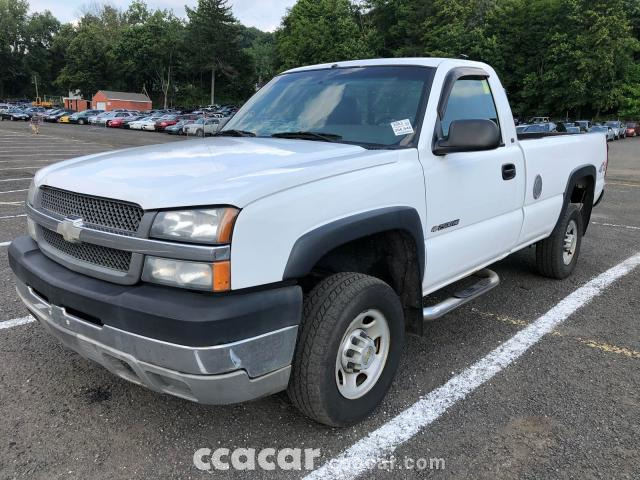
(579, 173)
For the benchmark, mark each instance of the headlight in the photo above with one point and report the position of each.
(195, 275)
(212, 225)
(31, 196)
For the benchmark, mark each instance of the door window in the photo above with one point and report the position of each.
(470, 99)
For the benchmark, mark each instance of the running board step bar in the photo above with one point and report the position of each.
(488, 281)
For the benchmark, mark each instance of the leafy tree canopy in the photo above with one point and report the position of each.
(555, 57)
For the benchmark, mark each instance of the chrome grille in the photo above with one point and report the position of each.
(98, 213)
(86, 252)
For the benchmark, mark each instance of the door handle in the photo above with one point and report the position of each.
(508, 171)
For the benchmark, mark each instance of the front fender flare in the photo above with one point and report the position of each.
(315, 244)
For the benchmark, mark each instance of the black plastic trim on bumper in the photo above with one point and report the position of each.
(163, 313)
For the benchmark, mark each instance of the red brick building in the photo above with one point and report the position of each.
(76, 104)
(107, 100)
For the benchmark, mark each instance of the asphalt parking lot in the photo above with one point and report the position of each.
(568, 407)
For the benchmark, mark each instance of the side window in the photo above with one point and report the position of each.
(470, 99)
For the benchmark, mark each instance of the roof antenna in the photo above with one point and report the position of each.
(463, 56)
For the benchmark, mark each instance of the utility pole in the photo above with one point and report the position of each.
(35, 79)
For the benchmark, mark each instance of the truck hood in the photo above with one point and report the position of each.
(220, 170)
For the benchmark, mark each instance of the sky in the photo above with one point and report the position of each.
(263, 14)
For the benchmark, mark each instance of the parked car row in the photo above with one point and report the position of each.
(18, 113)
(201, 122)
(613, 129)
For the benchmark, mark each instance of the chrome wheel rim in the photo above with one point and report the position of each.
(570, 242)
(362, 354)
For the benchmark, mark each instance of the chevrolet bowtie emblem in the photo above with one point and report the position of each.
(70, 229)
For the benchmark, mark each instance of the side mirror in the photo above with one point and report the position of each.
(469, 136)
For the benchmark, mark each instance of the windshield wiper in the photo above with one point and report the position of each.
(235, 133)
(321, 137)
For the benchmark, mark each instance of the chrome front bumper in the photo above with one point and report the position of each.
(221, 374)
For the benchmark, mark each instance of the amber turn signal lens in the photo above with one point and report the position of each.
(221, 276)
(225, 229)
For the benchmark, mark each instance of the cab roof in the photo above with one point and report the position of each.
(415, 61)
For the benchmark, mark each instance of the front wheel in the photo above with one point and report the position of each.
(348, 350)
(557, 255)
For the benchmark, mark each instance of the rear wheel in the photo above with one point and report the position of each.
(348, 349)
(557, 255)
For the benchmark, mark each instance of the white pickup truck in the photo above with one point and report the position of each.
(293, 250)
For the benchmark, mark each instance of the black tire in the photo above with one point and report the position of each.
(550, 258)
(81, 122)
(329, 310)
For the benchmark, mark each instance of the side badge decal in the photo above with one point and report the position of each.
(444, 226)
(537, 187)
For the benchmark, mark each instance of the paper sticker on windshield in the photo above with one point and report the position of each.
(402, 127)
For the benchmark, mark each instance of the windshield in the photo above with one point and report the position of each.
(368, 106)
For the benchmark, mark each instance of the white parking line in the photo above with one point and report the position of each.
(38, 154)
(380, 443)
(28, 149)
(624, 184)
(13, 216)
(20, 168)
(5, 244)
(21, 160)
(49, 148)
(25, 135)
(15, 191)
(628, 227)
(47, 139)
(16, 322)
(15, 179)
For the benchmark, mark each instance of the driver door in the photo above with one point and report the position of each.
(474, 199)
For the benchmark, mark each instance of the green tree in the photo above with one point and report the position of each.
(630, 107)
(88, 66)
(455, 28)
(39, 62)
(261, 48)
(13, 20)
(559, 56)
(147, 50)
(395, 27)
(317, 31)
(213, 42)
